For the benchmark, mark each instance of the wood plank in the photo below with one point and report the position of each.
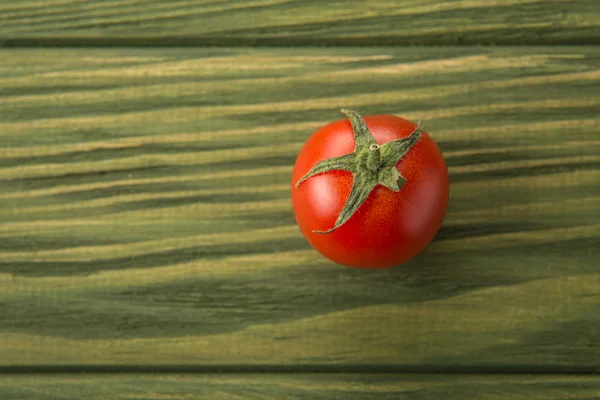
(145, 214)
(290, 22)
(298, 386)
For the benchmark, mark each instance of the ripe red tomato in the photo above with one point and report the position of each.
(370, 193)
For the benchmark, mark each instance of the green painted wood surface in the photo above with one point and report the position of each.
(298, 386)
(145, 218)
(292, 22)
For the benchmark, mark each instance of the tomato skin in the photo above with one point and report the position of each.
(389, 228)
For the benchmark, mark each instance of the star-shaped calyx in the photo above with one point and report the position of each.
(370, 165)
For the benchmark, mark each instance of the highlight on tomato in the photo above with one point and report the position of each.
(370, 192)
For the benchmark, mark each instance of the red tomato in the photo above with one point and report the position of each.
(390, 226)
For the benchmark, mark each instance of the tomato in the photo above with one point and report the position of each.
(370, 192)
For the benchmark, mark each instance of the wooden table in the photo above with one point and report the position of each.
(146, 233)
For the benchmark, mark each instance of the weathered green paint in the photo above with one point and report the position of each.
(298, 386)
(130, 234)
(308, 22)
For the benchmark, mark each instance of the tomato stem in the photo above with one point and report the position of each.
(371, 164)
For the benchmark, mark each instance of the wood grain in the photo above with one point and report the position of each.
(145, 218)
(292, 22)
(298, 386)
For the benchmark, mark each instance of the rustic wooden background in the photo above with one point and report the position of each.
(146, 231)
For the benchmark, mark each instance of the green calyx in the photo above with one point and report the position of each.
(370, 165)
